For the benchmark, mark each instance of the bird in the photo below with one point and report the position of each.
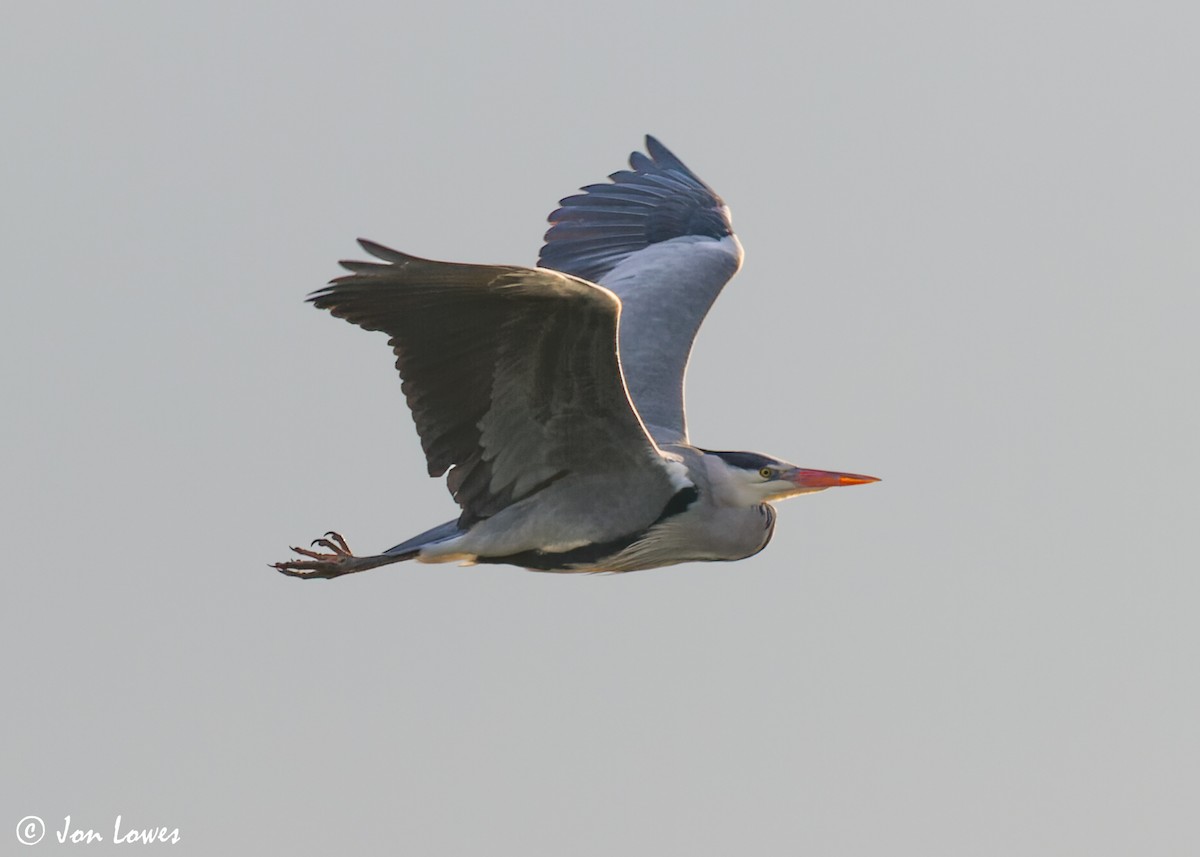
(552, 398)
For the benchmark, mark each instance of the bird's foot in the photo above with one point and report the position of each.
(341, 560)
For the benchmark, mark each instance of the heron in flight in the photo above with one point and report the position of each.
(551, 398)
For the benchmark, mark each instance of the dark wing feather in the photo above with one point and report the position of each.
(511, 374)
(659, 199)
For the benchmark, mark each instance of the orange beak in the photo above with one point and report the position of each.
(826, 478)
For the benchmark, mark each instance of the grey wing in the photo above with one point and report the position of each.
(511, 375)
(662, 240)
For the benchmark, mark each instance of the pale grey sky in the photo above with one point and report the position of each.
(972, 267)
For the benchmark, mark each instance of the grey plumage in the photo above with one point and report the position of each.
(662, 240)
(511, 375)
(554, 404)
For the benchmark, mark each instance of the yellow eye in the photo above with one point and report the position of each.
(766, 473)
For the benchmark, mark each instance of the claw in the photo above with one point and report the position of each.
(337, 537)
(336, 548)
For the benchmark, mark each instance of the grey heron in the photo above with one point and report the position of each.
(551, 398)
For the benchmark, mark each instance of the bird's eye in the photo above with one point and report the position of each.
(766, 473)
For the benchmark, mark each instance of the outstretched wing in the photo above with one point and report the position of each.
(511, 375)
(662, 240)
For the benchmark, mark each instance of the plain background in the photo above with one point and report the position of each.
(972, 268)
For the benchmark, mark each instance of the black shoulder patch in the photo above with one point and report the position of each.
(679, 503)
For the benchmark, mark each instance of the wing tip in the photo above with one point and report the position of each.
(658, 195)
(379, 251)
(657, 151)
(664, 159)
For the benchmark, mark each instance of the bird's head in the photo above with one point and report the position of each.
(752, 478)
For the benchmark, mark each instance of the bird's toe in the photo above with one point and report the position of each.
(307, 569)
(338, 548)
(313, 554)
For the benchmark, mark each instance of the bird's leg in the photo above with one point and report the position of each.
(339, 561)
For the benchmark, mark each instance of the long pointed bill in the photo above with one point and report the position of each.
(815, 480)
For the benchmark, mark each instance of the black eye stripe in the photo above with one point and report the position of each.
(742, 460)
